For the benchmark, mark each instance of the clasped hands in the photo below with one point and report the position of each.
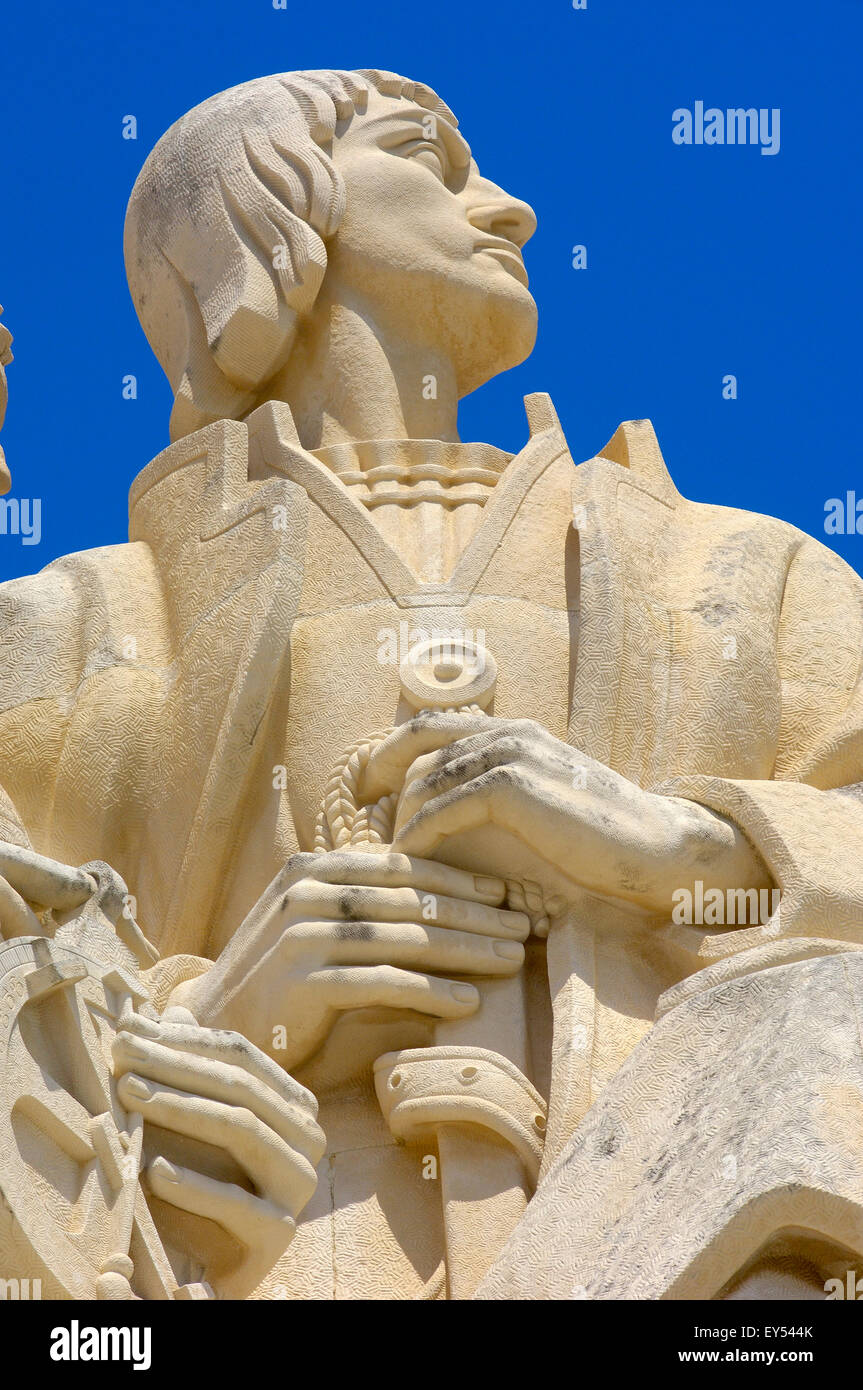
(400, 931)
(395, 931)
(350, 930)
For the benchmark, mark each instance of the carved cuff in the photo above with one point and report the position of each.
(424, 1087)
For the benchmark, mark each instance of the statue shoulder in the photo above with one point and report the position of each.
(83, 612)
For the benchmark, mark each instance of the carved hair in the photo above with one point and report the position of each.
(226, 230)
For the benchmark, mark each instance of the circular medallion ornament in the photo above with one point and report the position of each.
(448, 673)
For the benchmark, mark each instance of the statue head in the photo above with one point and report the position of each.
(357, 185)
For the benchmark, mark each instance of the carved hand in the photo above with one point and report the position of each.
(31, 883)
(215, 1089)
(349, 930)
(29, 880)
(601, 831)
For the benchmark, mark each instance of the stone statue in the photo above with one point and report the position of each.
(426, 872)
(5, 359)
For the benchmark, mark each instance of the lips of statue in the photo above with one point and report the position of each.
(429, 248)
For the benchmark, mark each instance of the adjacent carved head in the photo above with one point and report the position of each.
(5, 359)
(260, 195)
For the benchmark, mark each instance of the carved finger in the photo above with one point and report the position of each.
(436, 775)
(384, 986)
(386, 768)
(263, 928)
(278, 1171)
(396, 870)
(455, 812)
(16, 918)
(405, 944)
(336, 902)
(264, 1229)
(44, 881)
(466, 761)
(222, 1082)
(224, 1045)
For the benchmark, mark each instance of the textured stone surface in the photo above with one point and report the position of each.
(399, 750)
(722, 1156)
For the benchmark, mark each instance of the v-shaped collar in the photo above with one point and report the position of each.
(227, 463)
(215, 486)
(275, 449)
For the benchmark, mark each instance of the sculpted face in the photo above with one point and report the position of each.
(428, 245)
(5, 359)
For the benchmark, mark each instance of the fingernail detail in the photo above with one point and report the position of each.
(166, 1170)
(465, 994)
(489, 886)
(514, 922)
(138, 1088)
(510, 950)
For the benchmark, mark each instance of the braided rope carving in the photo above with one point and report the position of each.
(344, 823)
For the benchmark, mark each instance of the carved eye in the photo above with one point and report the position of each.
(431, 155)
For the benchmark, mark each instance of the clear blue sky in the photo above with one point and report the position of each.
(702, 261)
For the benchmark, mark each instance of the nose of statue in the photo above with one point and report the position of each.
(501, 215)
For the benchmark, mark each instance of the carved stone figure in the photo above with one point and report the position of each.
(5, 359)
(377, 822)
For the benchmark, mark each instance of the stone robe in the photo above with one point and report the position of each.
(152, 692)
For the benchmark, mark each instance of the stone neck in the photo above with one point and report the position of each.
(414, 470)
(425, 495)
